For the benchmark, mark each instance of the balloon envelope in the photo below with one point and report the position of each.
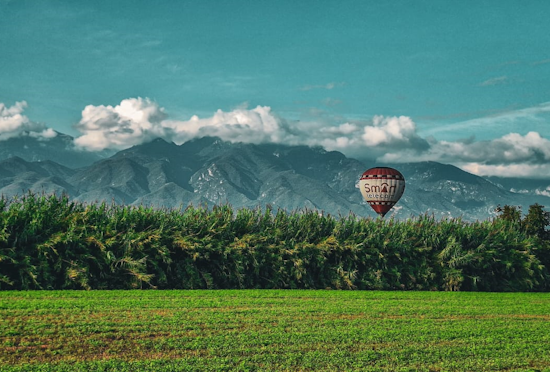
(382, 187)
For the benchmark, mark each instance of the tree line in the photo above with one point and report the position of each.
(51, 242)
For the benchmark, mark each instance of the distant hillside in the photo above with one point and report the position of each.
(523, 185)
(59, 149)
(211, 171)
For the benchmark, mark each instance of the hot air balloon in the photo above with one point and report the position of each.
(382, 187)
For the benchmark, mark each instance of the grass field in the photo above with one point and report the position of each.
(247, 330)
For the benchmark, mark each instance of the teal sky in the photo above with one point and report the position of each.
(457, 69)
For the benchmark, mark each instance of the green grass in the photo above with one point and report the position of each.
(295, 330)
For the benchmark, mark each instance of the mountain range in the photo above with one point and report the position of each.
(209, 171)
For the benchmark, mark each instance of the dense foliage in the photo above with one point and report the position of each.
(50, 242)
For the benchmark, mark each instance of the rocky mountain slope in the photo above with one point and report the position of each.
(210, 171)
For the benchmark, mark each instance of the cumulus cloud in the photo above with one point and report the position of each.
(14, 124)
(384, 138)
(257, 125)
(138, 120)
(389, 131)
(134, 121)
(510, 155)
(512, 148)
(545, 192)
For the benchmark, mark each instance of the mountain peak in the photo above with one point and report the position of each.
(155, 149)
(211, 170)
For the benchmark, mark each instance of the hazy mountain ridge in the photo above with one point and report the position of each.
(211, 171)
(59, 149)
(527, 186)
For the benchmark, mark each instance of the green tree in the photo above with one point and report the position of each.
(510, 213)
(537, 222)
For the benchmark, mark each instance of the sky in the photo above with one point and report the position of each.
(459, 82)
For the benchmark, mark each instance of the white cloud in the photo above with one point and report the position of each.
(389, 131)
(511, 148)
(14, 124)
(508, 170)
(545, 192)
(44, 135)
(240, 125)
(515, 147)
(510, 155)
(138, 120)
(134, 121)
(387, 139)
